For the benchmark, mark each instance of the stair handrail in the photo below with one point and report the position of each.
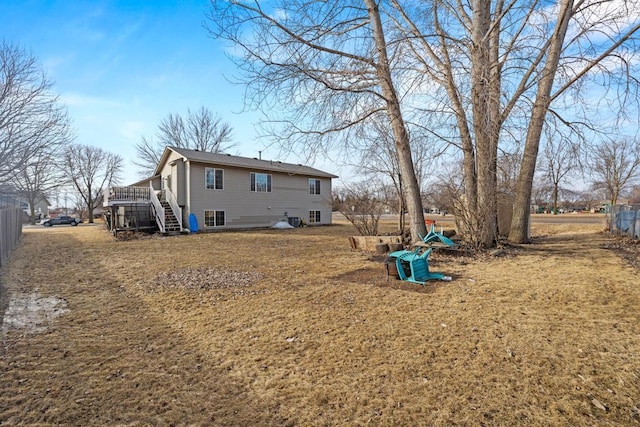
(177, 210)
(157, 206)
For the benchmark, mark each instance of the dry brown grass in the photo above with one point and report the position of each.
(548, 334)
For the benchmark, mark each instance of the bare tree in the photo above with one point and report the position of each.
(634, 195)
(378, 161)
(201, 130)
(507, 169)
(483, 73)
(457, 49)
(361, 206)
(558, 161)
(90, 170)
(615, 165)
(540, 194)
(495, 68)
(440, 196)
(330, 66)
(40, 177)
(588, 200)
(31, 117)
(451, 188)
(570, 64)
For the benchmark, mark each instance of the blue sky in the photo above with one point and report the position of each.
(121, 66)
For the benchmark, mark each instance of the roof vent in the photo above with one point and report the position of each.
(228, 154)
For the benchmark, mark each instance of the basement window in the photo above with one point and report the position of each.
(214, 218)
(314, 217)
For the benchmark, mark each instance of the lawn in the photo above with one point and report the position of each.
(292, 327)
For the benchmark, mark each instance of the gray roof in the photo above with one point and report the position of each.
(249, 163)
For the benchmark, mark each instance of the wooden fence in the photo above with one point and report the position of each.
(10, 231)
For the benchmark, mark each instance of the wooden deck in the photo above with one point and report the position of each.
(118, 195)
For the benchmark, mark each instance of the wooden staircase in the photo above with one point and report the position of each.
(171, 224)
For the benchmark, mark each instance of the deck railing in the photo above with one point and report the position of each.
(146, 194)
(131, 194)
(157, 207)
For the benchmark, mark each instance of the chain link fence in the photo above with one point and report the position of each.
(625, 220)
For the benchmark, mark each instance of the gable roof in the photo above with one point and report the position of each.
(242, 162)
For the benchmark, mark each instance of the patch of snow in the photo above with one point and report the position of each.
(282, 225)
(32, 312)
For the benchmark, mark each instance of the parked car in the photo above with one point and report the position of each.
(61, 220)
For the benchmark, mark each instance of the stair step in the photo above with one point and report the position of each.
(171, 224)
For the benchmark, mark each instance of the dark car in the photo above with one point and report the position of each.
(61, 220)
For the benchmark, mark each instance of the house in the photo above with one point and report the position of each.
(212, 191)
(41, 208)
(18, 199)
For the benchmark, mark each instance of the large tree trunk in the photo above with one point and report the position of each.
(519, 232)
(32, 214)
(614, 198)
(485, 91)
(32, 207)
(410, 187)
(90, 208)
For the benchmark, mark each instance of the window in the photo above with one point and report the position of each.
(314, 217)
(260, 182)
(213, 218)
(213, 179)
(314, 186)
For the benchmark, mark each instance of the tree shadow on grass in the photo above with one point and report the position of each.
(111, 359)
(561, 245)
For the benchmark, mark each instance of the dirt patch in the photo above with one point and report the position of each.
(626, 248)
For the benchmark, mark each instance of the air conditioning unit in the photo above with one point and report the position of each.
(294, 221)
